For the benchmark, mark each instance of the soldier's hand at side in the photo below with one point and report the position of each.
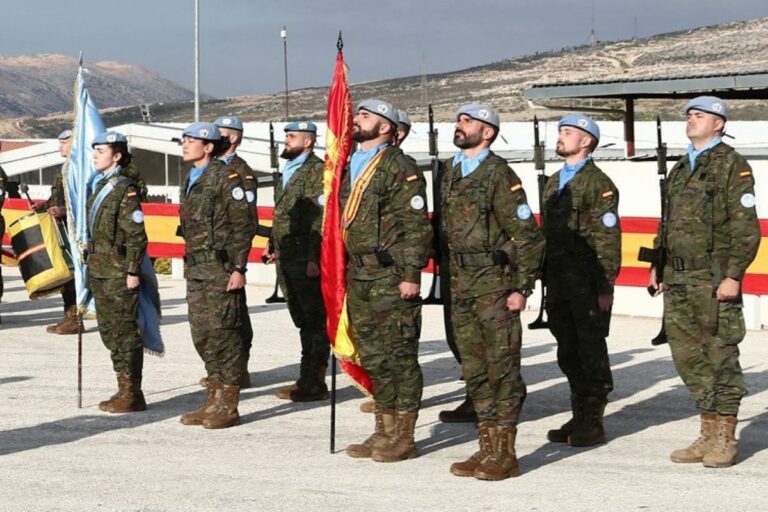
(312, 269)
(409, 290)
(654, 283)
(728, 289)
(516, 302)
(269, 255)
(132, 282)
(605, 301)
(236, 281)
(55, 211)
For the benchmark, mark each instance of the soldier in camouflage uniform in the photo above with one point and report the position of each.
(118, 244)
(56, 206)
(388, 238)
(495, 248)
(217, 225)
(3, 193)
(712, 236)
(232, 129)
(583, 247)
(295, 246)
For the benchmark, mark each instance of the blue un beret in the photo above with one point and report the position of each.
(710, 104)
(480, 112)
(583, 123)
(402, 118)
(202, 131)
(109, 138)
(380, 108)
(233, 123)
(301, 126)
(66, 134)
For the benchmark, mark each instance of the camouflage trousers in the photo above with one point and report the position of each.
(387, 330)
(216, 319)
(305, 304)
(582, 353)
(116, 311)
(489, 337)
(708, 363)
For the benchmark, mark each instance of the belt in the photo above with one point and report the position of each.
(691, 263)
(481, 259)
(375, 259)
(199, 257)
(93, 248)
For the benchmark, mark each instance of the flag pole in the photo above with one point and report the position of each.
(79, 360)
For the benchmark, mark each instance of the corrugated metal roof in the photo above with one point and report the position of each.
(730, 86)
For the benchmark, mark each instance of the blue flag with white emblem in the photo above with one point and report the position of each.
(78, 173)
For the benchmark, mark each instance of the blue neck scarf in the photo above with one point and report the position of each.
(229, 158)
(194, 175)
(291, 166)
(693, 153)
(101, 176)
(569, 171)
(361, 158)
(469, 164)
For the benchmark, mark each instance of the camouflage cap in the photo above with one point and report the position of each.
(380, 108)
(233, 123)
(109, 138)
(202, 131)
(709, 104)
(583, 123)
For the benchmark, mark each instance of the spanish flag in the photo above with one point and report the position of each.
(333, 257)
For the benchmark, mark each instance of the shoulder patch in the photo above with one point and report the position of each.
(417, 202)
(745, 173)
(748, 200)
(515, 188)
(131, 194)
(412, 177)
(238, 193)
(607, 193)
(232, 175)
(524, 212)
(610, 219)
(137, 216)
(249, 177)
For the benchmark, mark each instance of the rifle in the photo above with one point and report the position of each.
(658, 257)
(275, 298)
(435, 297)
(538, 163)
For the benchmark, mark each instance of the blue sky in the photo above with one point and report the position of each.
(242, 53)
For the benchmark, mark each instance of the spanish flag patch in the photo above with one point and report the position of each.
(232, 175)
(412, 177)
(131, 194)
(249, 177)
(515, 188)
(608, 193)
(745, 173)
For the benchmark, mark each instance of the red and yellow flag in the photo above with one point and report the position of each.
(333, 257)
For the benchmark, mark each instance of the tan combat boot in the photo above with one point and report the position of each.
(464, 413)
(400, 446)
(503, 463)
(70, 324)
(560, 435)
(701, 446)
(487, 438)
(225, 413)
(197, 416)
(589, 431)
(128, 398)
(368, 407)
(726, 448)
(384, 429)
(244, 382)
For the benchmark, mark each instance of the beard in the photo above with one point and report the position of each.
(562, 152)
(290, 153)
(359, 135)
(463, 141)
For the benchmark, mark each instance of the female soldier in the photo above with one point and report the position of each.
(117, 247)
(217, 226)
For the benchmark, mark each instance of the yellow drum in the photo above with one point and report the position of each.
(38, 245)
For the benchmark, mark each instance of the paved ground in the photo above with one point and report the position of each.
(54, 456)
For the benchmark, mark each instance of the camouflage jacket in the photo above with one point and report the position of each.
(118, 239)
(133, 172)
(713, 231)
(57, 197)
(583, 233)
(216, 223)
(391, 220)
(250, 183)
(298, 217)
(485, 216)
